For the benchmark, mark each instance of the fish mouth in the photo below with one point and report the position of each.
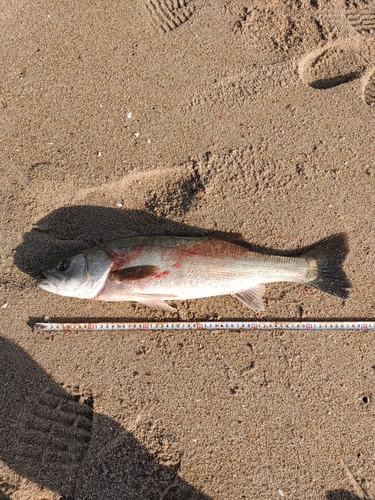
(46, 285)
(49, 282)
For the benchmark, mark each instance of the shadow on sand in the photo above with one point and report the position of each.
(53, 436)
(342, 495)
(69, 230)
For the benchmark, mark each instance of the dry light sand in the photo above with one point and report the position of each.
(186, 116)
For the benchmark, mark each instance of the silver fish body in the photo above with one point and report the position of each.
(152, 269)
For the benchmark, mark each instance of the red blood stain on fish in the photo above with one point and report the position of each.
(162, 274)
(122, 260)
(180, 254)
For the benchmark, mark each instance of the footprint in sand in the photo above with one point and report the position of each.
(168, 15)
(270, 36)
(368, 87)
(363, 20)
(167, 192)
(345, 60)
(63, 419)
(56, 431)
(333, 65)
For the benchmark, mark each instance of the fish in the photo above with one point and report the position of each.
(154, 269)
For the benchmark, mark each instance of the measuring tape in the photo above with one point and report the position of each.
(210, 325)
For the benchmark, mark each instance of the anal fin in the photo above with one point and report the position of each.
(253, 297)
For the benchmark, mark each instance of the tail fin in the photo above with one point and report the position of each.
(329, 255)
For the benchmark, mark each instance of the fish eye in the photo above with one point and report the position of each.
(62, 266)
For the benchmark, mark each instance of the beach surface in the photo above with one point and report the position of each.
(186, 117)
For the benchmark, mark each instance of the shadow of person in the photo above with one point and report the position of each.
(53, 436)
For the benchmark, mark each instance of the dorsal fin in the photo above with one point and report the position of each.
(236, 238)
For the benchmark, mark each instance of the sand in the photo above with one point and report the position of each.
(175, 116)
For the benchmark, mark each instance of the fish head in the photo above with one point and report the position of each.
(82, 275)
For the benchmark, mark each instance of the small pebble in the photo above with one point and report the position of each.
(128, 114)
(137, 134)
(119, 205)
(4, 306)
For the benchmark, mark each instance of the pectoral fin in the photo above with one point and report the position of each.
(134, 273)
(252, 298)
